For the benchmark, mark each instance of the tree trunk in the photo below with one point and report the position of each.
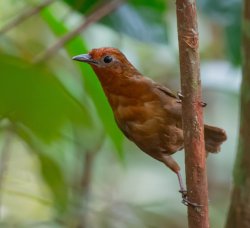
(195, 155)
(239, 212)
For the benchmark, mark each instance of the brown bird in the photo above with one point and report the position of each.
(149, 114)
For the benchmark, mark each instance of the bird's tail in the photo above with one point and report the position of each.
(214, 137)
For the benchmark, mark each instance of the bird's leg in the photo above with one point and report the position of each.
(180, 98)
(172, 164)
(183, 192)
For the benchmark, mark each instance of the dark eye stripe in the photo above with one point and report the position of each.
(107, 59)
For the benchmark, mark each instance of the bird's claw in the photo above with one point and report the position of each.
(185, 200)
(180, 98)
(203, 104)
(179, 95)
(183, 193)
(187, 203)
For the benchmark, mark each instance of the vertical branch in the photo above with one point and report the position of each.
(195, 155)
(239, 213)
(84, 184)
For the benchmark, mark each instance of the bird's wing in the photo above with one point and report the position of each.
(165, 90)
(160, 88)
(171, 103)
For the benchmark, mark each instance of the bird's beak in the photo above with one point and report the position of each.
(84, 58)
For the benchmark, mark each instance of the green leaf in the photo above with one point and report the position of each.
(91, 83)
(233, 41)
(228, 15)
(140, 19)
(82, 5)
(34, 97)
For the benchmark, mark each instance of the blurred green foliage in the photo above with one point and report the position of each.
(34, 97)
(47, 116)
(144, 20)
(140, 19)
(91, 83)
(228, 15)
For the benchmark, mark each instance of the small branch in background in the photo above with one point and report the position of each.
(95, 16)
(195, 155)
(239, 210)
(84, 189)
(25, 15)
(84, 183)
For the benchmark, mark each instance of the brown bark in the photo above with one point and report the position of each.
(239, 212)
(195, 155)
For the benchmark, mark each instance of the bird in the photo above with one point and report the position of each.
(148, 113)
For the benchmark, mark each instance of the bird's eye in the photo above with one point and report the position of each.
(107, 59)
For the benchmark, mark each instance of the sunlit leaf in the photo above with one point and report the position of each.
(92, 85)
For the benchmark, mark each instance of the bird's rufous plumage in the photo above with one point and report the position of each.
(149, 114)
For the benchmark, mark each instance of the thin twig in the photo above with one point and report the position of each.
(25, 15)
(98, 14)
(86, 179)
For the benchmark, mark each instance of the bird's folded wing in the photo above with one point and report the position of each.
(165, 90)
(171, 103)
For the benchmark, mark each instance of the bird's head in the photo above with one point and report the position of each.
(107, 61)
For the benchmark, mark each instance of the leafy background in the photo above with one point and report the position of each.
(63, 159)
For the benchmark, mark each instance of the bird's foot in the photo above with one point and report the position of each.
(203, 104)
(180, 98)
(185, 200)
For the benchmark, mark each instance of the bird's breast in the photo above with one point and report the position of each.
(139, 118)
(148, 125)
